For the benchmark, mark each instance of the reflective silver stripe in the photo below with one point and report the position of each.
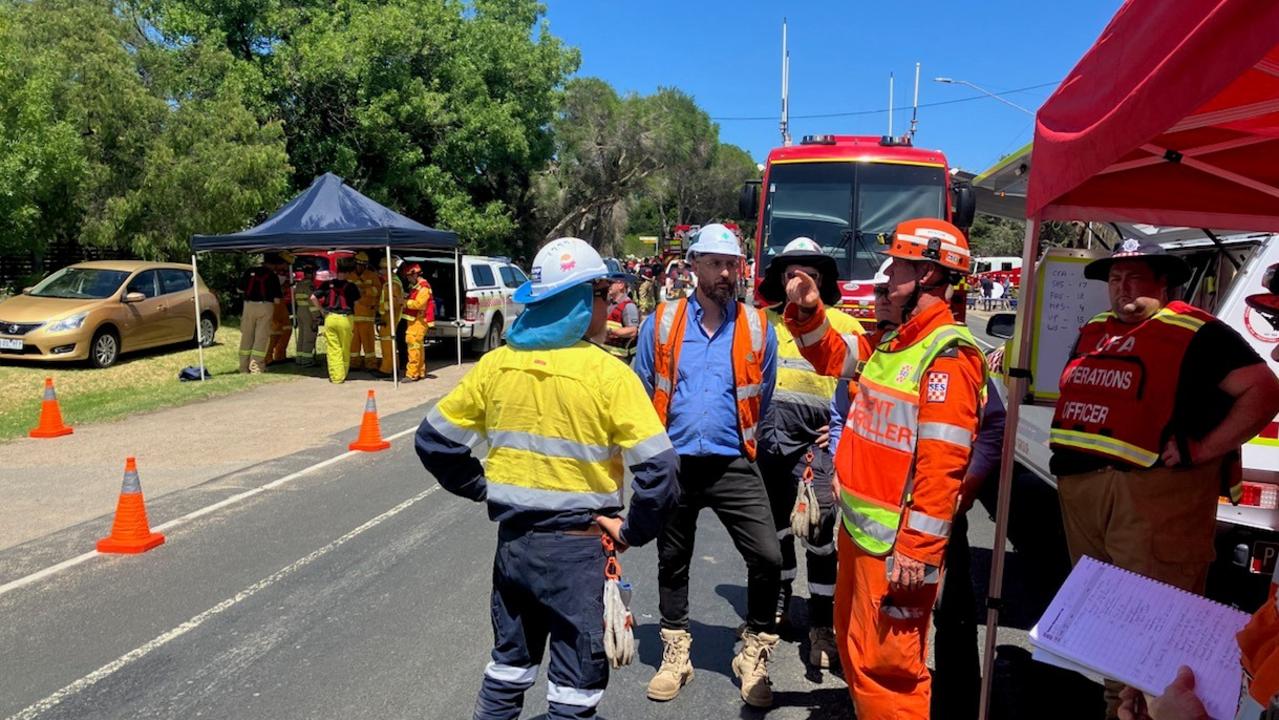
(819, 550)
(791, 363)
(903, 613)
(928, 524)
(550, 446)
(573, 696)
(801, 398)
(666, 321)
(459, 435)
(748, 434)
(821, 589)
(745, 392)
(941, 341)
(646, 449)
(815, 336)
(874, 414)
(789, 574)
(512, 674)
(852, 358)
(945, 432)
(783, 533)
(540, 499)
(664, 384)
(755, 322)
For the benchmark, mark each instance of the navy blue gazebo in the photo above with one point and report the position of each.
(330, 215)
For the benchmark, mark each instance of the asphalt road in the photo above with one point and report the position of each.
(357, 591)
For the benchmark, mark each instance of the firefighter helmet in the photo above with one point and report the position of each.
(931, 240)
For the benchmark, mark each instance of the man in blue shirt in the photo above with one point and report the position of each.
(710, 362)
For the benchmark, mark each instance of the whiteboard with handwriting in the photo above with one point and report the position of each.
(1064, 301)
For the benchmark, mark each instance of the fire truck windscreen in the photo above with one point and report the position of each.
(824, 200)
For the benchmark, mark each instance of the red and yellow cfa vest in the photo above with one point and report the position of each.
(749, 334)
(1119, 389)
(420, 304)
(620, 348)
(883, 428)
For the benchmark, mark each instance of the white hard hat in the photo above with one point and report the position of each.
(803, 244)
(561, 264)
(715, 239)
(881, 275)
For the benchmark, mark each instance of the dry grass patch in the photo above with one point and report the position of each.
(139, 382)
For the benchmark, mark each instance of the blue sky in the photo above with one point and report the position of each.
(727, 55)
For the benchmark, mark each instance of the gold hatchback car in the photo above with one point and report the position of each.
(97, 310)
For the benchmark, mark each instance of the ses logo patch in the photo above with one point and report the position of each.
(938, 386)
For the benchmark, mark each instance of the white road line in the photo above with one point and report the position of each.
(159, 641)
(175, 522)
(988, 346)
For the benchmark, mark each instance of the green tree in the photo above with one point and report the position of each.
(142, 143)
(436, 108)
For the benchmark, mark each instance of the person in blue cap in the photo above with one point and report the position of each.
(556, 411)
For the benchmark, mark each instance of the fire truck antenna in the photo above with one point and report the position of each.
(784, 126)
(890, 104)
(914, 113)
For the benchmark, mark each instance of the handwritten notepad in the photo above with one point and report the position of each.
(1136, 630)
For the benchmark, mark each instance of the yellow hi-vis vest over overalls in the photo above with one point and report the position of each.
(797, 381)
(885, 420)
(550, 447)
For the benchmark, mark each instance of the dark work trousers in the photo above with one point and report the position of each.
(782, 473)
(734, 490)
(957, 678)
(546, 584)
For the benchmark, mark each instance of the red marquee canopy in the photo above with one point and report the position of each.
(1171, 119)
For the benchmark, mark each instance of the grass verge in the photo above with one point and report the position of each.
(137, 383)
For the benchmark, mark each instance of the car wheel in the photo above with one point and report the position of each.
(105, 348)
(208, 328)
(494, 339)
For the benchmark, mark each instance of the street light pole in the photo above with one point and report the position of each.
(984, 91)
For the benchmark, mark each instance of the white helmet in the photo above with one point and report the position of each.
(881, 275)
(803, 244)
(560, 265)
(715, 239)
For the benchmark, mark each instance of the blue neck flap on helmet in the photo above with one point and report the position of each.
(556, 322)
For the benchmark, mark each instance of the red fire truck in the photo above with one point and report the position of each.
(847, 193)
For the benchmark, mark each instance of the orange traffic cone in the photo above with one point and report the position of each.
(130, 532)
(370, 439)
(50, 425)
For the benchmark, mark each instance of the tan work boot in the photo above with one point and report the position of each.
(676, 670)
(751, 665)
(822, 651)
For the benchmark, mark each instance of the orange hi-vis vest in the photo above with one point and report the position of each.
(885, 429)
(749, 334)
(1259, 655)
(1119, 388)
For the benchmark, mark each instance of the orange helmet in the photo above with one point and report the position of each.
(931, 240)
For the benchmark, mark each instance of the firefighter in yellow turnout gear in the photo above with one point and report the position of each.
(307, 316)
(420, 310)
(363, 346)
(794, 453)
(392, 294)
(561, 418)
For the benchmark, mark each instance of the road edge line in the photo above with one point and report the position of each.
(199, 512)
(56, 698)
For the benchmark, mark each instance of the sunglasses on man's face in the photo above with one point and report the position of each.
(792, 274)
(881, 291)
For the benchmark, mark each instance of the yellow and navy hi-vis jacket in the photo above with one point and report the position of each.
(560, 424)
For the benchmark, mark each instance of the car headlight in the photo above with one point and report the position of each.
(72, 322)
